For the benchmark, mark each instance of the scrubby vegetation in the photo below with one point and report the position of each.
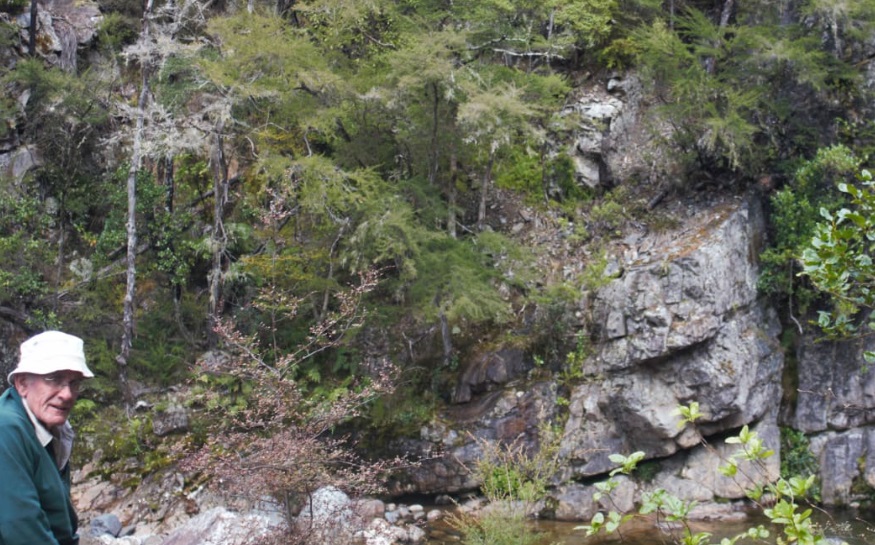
(285, 149)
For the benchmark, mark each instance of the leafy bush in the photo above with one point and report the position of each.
(731, 102)
(25, 253)
(838, 260)
(159, 357)
(503, 482)
(13, 7)
(459, 279)
(402, 413)
(116, 31)
(101, 360)
(177, 82)
(796, 457)
(127, 8)
(794, 214)
(513, 477)
(521, 172)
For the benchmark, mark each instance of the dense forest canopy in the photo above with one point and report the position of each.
(293, 177)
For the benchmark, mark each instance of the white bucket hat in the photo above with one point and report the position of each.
(51, 351)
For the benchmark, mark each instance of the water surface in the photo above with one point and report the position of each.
(851, 526)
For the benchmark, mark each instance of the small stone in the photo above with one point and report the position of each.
(392, 517)
(370, 508)
(415, 534)
(108, 524)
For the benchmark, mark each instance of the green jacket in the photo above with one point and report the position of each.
(35, 505)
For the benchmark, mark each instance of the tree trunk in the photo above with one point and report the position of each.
(62, 239)
(434, 155)
(131, 275)
(169, 183)
(484, 189)
(326, 295)
(31, 41)
(219, 168)
(447, 338)
(451, 196)
(725, 14)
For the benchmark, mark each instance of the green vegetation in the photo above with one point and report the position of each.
(730, 88)
(794, 216)
(25, 254)
(838, 260)
(374, 137)
(13, 7)
(117, 31)
(781, 501)
(297, 151)
(797, 459)
(513, 477)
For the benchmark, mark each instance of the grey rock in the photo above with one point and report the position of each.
(393, 517)
(172, 419)
(574, 502)
(329, 518)
(415, 534)
(487, 370)
(219, 526)
(839, 454)
(16, 164)
(616, 85)
(687, 326)
(834, 391)
(108, 524)
(835, 407)
(370, 508)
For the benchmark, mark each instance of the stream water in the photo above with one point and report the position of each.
(853, 527)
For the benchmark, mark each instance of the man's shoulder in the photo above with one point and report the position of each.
(12, 413)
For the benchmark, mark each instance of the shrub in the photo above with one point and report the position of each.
(796, 457)
(794, 215)
(117, 31)
(13, 7)
(514, 477)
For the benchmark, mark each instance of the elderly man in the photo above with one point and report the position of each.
(36, 440)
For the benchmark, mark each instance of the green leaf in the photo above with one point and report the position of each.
(825, 214)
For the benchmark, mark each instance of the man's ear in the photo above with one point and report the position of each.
(20, 382)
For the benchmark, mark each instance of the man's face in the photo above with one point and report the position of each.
(50, 397)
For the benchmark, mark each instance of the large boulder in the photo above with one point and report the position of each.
(219, 526)
(734, 376)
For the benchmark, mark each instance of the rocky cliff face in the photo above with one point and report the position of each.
(62, 27)
(835, 407)
(682, 322)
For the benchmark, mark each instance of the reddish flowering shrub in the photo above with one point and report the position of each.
(284, 443)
